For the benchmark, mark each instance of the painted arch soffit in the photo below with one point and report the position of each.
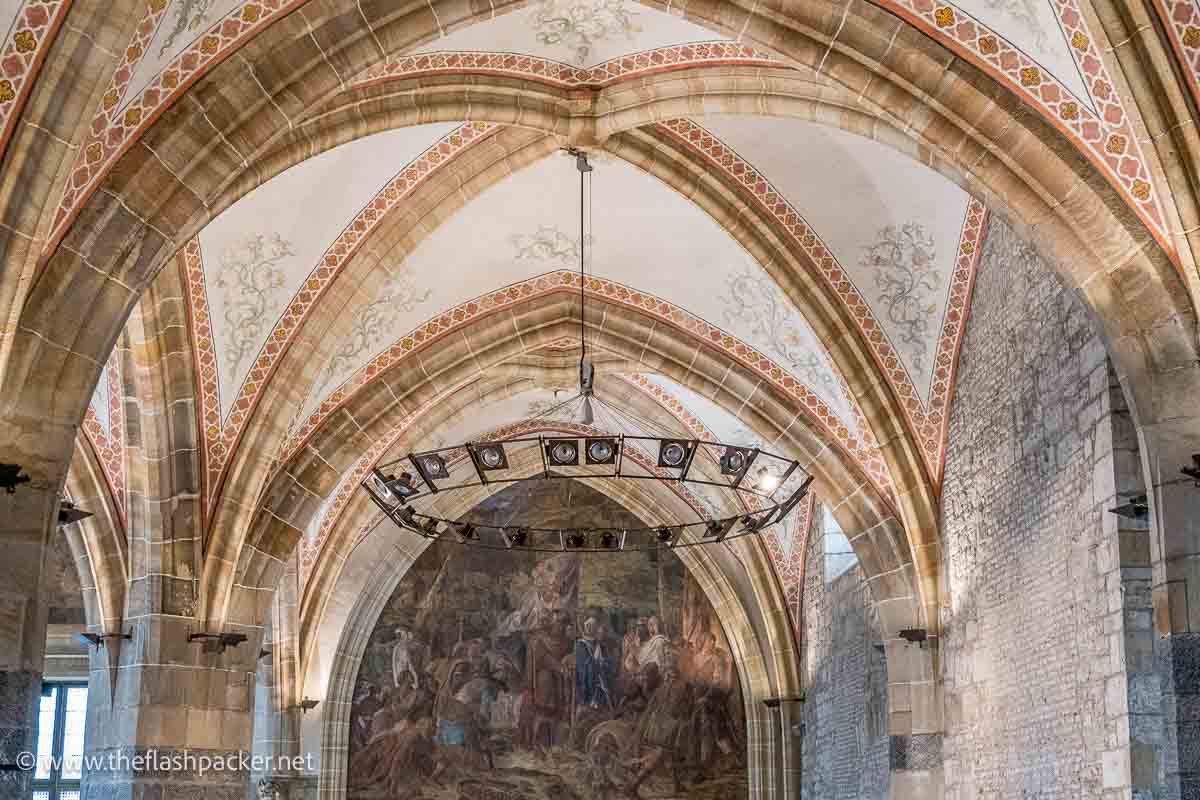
(254, 274)
(104, 428)
(27, 27)
(1041, 49)
(649, 246)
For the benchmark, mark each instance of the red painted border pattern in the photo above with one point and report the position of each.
(116, 126)
(1182, 20)
(1107, 140)
(449, 321)
(221, 435)
(791, 570)
(109, 445)
(928, 421)
(33, 28)
(556, 73)
(204, 348)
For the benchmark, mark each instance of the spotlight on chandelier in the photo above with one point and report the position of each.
(712, 478)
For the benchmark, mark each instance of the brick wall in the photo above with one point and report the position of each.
(845, 745)
(1030, 554)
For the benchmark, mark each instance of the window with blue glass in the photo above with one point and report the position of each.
(62, 717)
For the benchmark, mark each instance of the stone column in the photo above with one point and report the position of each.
(174, 715)
(1175, 553)
(914, 721)
(277, 714)
(22, 629)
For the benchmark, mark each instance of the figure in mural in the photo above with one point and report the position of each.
(657, 648)
(404, 656)
(496, 674)
(591, 682)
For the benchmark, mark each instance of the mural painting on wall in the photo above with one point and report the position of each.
(508, 675)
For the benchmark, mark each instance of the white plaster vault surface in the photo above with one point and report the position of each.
(8, 17)
(258, 253)
(582, 33)
(1033, 26)
(646, 237)
(892, 223)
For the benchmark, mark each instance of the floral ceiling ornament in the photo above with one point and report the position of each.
(547, 244)
(755, 301)
(578, 24)
(250, 277)
(901, 259)
(191, 15)
(398, 295)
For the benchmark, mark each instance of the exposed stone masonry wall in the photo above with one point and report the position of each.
(845, 745)
(1031, 564)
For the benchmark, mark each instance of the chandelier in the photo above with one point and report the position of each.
(732, 490)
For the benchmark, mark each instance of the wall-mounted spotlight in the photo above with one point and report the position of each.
(574, 540)
(1193, 471)
(68, 513)
(99, 639)
(307, 704)
(776, 702)
(264, 653)
(466, 531)
(11, 476)
(914, 635)
(217, 642)
(666, 535)
(610, 540)
(1138, 508)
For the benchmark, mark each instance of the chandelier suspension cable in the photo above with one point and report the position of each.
(583, 166)
(611, 443)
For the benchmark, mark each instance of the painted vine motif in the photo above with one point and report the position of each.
(754, 301)
(189, 16)
(250, 277)
(398, 295)
(548, 245)
(579, 24)
(902, 261)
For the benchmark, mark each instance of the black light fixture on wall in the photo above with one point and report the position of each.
(1193, 471)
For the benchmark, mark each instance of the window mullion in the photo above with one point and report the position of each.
(56, 747)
